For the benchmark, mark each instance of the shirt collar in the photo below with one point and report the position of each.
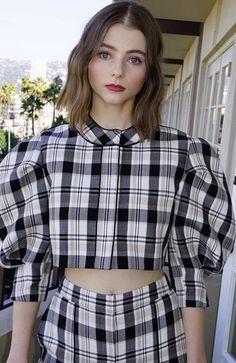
(101, 136)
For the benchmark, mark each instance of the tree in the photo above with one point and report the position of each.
(32, 99)
(3, 142)
(59, 120)
(6, 93)
(31, 105)
(52, 92)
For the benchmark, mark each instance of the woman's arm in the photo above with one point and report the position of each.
(24, 316)
(193, 319)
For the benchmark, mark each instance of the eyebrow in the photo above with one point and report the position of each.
(128, 51)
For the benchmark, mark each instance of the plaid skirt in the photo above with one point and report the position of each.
(143, 326)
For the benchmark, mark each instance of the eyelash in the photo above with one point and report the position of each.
(133, 57)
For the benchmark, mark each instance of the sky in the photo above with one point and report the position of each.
(43, 29)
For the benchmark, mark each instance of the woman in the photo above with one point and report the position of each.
(111, 199)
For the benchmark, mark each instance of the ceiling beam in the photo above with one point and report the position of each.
(169, 75)
(181, 27)
(173, 61)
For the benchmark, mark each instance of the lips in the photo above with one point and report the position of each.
(115, 87)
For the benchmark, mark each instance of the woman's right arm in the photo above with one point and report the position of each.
(24, 236)
(24, 317)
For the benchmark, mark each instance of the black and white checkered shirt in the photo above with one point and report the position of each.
(99, 198)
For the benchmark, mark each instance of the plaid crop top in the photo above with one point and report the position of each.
(99, 198)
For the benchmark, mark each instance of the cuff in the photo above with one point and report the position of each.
(30, 285)
(190, 289)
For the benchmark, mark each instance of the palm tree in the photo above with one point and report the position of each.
(6, 93)
(31, 106)
(52, 92)
(32, 99)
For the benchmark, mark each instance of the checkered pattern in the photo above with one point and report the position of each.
(142, 326)
(99, 198)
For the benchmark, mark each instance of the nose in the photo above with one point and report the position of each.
(117, 71)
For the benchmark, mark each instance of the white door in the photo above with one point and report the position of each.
(223, 78)
(225, 338)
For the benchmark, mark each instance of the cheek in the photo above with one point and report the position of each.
(139, 79)
(90, 73)
(93, 73)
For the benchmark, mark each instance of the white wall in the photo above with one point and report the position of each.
(219, 25)
(218, 35)
(189, 60)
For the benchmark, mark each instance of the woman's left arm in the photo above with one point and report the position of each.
(193, 319)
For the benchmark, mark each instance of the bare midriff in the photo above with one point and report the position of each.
(111, 282)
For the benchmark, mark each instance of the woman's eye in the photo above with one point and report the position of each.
(103, 55)
(135, 60)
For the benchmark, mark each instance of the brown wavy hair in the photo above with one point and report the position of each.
(76, 96)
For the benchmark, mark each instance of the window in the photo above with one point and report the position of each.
(217, 89)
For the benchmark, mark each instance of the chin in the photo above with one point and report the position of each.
(114, 101)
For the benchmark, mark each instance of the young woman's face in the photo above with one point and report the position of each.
(120, 61)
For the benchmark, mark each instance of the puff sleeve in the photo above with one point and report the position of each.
(24, 221)
(203, 229)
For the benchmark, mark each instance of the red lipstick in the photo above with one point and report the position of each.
(115, 87)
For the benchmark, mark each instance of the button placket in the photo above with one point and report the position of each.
(107, 205)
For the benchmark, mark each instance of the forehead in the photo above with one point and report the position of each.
(119, 34)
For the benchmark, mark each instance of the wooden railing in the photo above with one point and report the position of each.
(54, 281)
(6, 282)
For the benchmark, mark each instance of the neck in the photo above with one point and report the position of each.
(112, 117)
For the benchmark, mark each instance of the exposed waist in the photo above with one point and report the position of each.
(112, 281)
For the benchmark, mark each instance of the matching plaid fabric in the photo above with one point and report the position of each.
(99, 198)
(142, 326)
